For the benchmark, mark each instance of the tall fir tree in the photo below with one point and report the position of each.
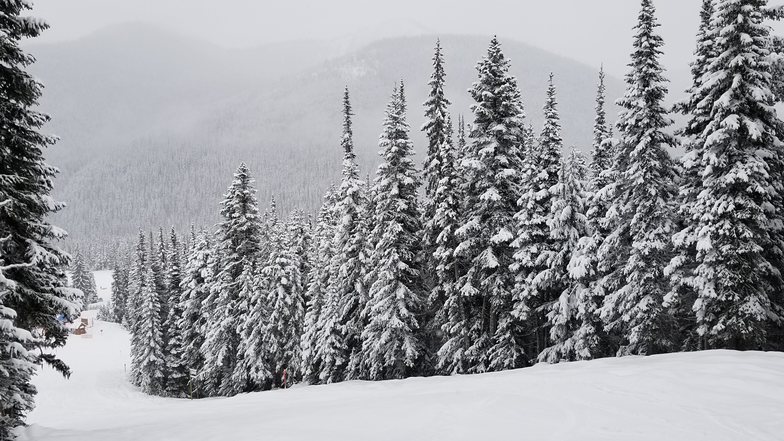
(151, 361)
(32, 268)
(256, 345)
(238, 244)
(317, 315)
(641, 215)
(136, 280)
(196, 284)
(302, 230)
(492, 171)
(391, 341)
(436, 130)
(349, 240)
(159, 264)
(570, 318)
(284, 291)
(176, 366)
(83, 280)
(601, 149)
(590, 341)
(698, 113)
(437, 204)
(729, 253)
(453, 317)
(538, 285)
(120, 288)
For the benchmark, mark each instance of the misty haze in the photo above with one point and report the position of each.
(412, 220)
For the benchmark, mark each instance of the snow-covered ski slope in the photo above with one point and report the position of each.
(718, 395)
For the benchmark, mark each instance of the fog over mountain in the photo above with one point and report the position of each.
(152, 124)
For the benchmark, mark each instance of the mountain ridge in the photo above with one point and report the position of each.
(165, 125)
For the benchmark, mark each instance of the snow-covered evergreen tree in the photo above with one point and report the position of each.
(347, 285)
(436, 130)
(491, 168)
(730, 251)
(571, 315)
(302, 237)
(285, 319)
(18, 364)
(136, 280)
(317, 316)
(159, 265)
(452, 318)
(238, 236)
(32, 269)
(176, 366)
(391, 341)
(641, 215)
(151, 360)
(601, 149)
(256, 345)
(698, 113)
(83, 280)
(120, 288)
(439, 208)
(590, 340)
(196, 284)
(538, 284)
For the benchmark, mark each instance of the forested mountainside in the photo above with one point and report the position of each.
(151, 123)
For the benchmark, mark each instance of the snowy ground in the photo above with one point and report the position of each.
(719, 395)
(103, 283)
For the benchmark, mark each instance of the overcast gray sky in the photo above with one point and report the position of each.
(592, 31)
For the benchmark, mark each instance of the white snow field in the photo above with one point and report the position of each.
(103, 283)
(717, 395)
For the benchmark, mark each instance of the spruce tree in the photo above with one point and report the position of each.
(436, 130)
(284, 322)
(32, 267)
(683, 297)
(569, 315)
(256, 345)
(452, 317)
(159, 264)
(83, 280)
(590, 341)
(137, 280)
(238, 245)
(729, 252)
(313, 354)
(302, 237)
(120, 288)
(641, 214)
(349, 241)
(601, 151)
(537, 287)
(196, 317)
(151, 360)
(176, 366)
(391, 341)
(18, 364)
(492, 171)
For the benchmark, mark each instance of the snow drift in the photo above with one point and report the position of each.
(716, 395)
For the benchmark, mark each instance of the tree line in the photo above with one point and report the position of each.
(506, 249)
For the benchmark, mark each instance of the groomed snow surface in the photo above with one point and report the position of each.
(715, 395)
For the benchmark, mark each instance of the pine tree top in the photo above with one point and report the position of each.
(644, 118)
(550, 138)
(346, 140)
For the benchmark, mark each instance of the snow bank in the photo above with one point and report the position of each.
(716, 395)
